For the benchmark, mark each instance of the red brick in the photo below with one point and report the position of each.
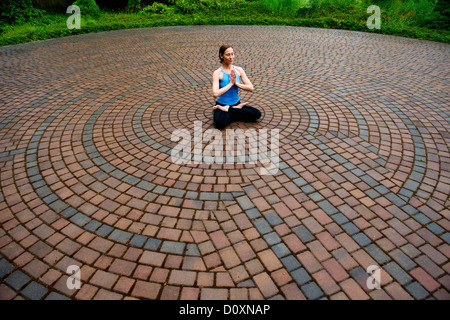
(309, 262)
(292, 292)
(86, 292)
(353, 290)
(170, 293)
(219, 240)
(425, 279)
(335, 269)
(281, 277)
(146, 290)
(6, 293)
(318, 250)
(223, 279)
(104, 279)
(265, 285)
(328, 241)
(270, 260)
(244, 251)
(122, 267)
(124, 285)
(152, 258)
(188, 293)
(213, 294)
(229, 257)
(184, 278)
(397, 292)
(293, 243)
(239, 294)
(325, 282)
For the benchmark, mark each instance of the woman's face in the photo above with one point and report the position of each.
(228, 56)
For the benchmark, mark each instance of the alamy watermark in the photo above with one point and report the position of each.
(74, 21)
(374, 280)
(74, 281)
(374, 21)
(232, 150)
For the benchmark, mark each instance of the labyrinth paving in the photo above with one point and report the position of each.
(87, 178)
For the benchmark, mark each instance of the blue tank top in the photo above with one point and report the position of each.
(230, 97)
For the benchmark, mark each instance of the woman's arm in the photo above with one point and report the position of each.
(215, 87)
(246, 83)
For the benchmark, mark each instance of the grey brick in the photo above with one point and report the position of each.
(17, 279)
(397, 273)
(300, 276)
(80, 219)
(340, 218)
(138, 240)
(402, 259)
(56, 296)
(272, 238)
(377, 254)
(34, 291)
(273, 218)
(328, 207)
(104, 230)
(5, 268)
(253, 213)
(212, 196)
(281, 250)
(120, 236)
(350, 228)
(245, 203)
(303, 234)
(173, 247)
(93, 225)
(262, 226)
(152, 244)
(417, 291)
(361, 239)
(312, 291)
(291, 263)
(192, 250)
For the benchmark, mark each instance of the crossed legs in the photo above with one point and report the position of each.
(239, 112)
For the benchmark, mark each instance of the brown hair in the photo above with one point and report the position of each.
(222, 50)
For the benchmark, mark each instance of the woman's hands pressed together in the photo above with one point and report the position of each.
(233, 77)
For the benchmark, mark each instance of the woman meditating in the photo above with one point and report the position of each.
(227, 80)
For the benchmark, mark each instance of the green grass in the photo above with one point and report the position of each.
(396, 18)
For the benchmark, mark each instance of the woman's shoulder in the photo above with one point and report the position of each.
(239, 70)
(217, 72)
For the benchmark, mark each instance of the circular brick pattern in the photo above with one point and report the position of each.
(87, 177)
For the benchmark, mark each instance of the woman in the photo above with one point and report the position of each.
(227, 80)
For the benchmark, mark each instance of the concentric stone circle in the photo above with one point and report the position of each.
(87, 177)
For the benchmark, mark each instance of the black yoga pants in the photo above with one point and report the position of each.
(246, 113)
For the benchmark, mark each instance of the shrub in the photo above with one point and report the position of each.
(134, 5)
(191, 6)
(158, 8)
(440, 18)
(88, 8)
(18, 11)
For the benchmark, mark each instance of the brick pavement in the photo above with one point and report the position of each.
(87, 179)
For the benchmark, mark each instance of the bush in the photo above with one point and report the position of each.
(158, 8)
(18, 11)
(134, 5)
(191, 6)
(88, 8)
(440, 18)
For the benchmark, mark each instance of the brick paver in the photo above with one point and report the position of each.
(87, 179)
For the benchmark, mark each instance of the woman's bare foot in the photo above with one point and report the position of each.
(223, 108)
(240, 105)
